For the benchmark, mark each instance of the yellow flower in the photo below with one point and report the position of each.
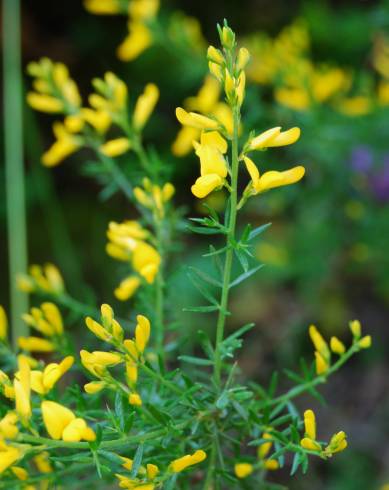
(103, 7)
(310, 424)
(322, 364)
(152, 471)
(20, 473)
(271, 179)
(116, 147)
(195, 120)
(264, 449)
(35, 344)
(23, 389)
(94, 387)
(99, 119)
(142, 10)
(3, 324)
(320, 344)
(271, 464)
(274, 138)
(337, 346)
(142, 332)
(97, 329)
(144, 106)
(215, 55)
(355, 327)
(111, 97)
(127, 288)
(243, 470)
(43, 381)
(61, 423)
(337, 443)
(213, 167)
(365, 342)
(243, 59)
(294, 98)
(181, 464)
(183, 143)
(8, 456)
(47, 278)
(153, 196)
(355, 106)
(42, 462)
(309, 444)
(137, 41)
(45, 103)
(8, 427)
(97, 362)
(135, 399)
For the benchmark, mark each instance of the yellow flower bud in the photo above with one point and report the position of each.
(97, 329)
(181, 464)
(337, 346)
(240, 89)
(23, 389)
(145, 105)
(229, 84)
(20, 473)
(215, 55)
(44, 103)
(310, 424)
(243, 59)
(320, 344)
(365, 342)
(152, 471)
(216, 71)
(99, 119)
(227, 37)
(337, 443)
(35, 344)
(42, 462)
(53, 316)
(271, 464)
(94, 387)
(263, 449)
(127, 288)
(309, 444)
(142, 332)
(8, 427)
(116, 147)
(139, 39)
(135, 399)
(74, 123)
(355, 327)
(321, 364)
(8, 456)
(243, 470)
(103, 7)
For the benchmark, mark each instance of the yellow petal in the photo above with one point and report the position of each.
(56, 417)
(206, 184)
(243, 470)
(145, 105)
(272, 179)
(116, 147)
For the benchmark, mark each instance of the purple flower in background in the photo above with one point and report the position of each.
(380, 181)
(361, 159)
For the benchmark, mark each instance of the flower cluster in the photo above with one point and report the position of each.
(129, 351)
(243, 470)
(56, 92)
(141, 14)
(323, 351)
(337, 443)
(43, 279)
(129, 242)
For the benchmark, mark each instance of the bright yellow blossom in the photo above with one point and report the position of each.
(8, 426)
(47, 278)
(22, 387)
(144, 106)
(365, 342)
(43, 381)
(45, 103)
(195, 120)
(61, 423)
(153, 196)
(337, 346)
(271, 179)
(142, 332)
(274, 137)
(138, 40)
(8, 456)
(181, 464)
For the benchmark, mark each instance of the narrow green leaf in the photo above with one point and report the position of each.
(258, 231)
(196, 360)
(206, 277)
(137, 461)
(245, 276)
(201, 309)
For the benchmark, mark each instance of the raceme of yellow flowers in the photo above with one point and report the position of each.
(88, 127)
(212, 146)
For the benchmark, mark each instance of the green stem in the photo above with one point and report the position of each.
(14, 166)
(297, 390)
(159, 291)
(230, 252)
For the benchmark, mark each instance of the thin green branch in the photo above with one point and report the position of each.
(14, 166)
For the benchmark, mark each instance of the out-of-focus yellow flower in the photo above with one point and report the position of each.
(365, 342)
(337, 346)
(116, 147)
(271, 179)
(8, 456)
(65, 145)
(133, 484)
(3, 324)
(358, 105)
(8, 426)
(127, 242)
(45, 103)
(181, 464)
(99, 119)
(61, 423)
(356, 329)
(43, 381)
(104, 7)
(22, 390)
(381, 56)
(6, 386)
(127, 288)
(153, 196)
(294, 98)
(47, 279)
(337, 444)
(137, 41)
(42, 462)
(144, 106)
(142, 332)
(243, 470)
(383, 92)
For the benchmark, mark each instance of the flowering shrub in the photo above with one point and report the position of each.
(149, 416)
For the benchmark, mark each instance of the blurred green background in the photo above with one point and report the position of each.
(327, 252)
